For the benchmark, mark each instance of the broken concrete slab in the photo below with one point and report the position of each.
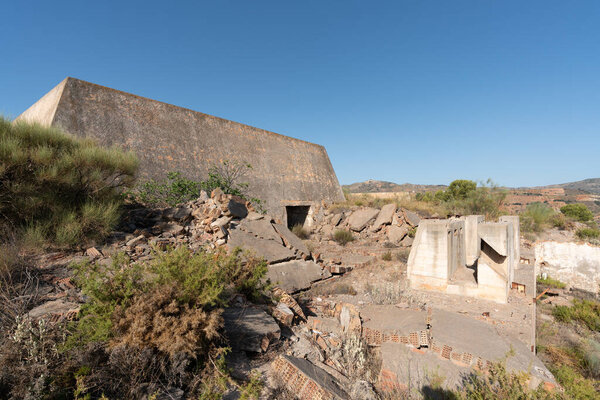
(306, 380)
(336, 219)
(268, 249)
(283, 314)
(291, 240)
(250, 328)
(361, 218)
(396, 233)
(412, 218)
(384, 217)
(296, 275)
(261, 228)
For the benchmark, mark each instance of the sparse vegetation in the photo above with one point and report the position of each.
(586, 312)
(578, 212)
(587, 233)
(387, 256)
(402, 255)
(464, 197)
(56, 189)
(536, 218)
(299, 231)
(554, 283)
(177, 189)
(343, 237)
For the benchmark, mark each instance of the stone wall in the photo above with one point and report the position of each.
(285, 171)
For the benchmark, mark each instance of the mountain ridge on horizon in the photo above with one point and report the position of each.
(590, 185)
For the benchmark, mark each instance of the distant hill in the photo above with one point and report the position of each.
(374, 186)
(591, 186)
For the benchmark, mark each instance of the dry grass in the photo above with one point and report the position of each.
(410, 203)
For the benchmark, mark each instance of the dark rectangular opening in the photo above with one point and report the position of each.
(296, 215)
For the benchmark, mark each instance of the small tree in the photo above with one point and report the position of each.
(461, 188)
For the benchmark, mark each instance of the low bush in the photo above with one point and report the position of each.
(177, 189)
(299, 231)
(343, 237)
(586, 312)
(59, 189)
(587, 233)
(387, 256)
(166, 314)
(578, 212)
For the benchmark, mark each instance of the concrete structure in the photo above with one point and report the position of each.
(288, 175)
(577, 265)
(465, 256)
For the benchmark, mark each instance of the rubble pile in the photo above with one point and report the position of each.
(390, 224)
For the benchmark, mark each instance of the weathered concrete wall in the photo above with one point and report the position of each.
(436, 253)
(169, 138)
(516, 228)
(575, 264)
(472, 242)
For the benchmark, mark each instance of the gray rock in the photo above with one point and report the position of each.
(54, 307)
(336, 219)
(182, 213)
(412, 218)
(290, 239)
(250, 329)
(407, 241)
(362, 390)
(261, 228)
(396, 233)
(361, 218)
(296, 275)
(237, 208)
(254, 216)
(385, 216)
(270, 250)
(203, 196)
(220, 222)
(135, 241)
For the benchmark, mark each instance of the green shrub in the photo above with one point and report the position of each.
(555, 283)
(412, 232)
(199, 281)
(299, 231)
(343, 237)
(578, 212)
(387, 256)
(559, 221)
(587, 233)
(576, 386)
(58, 188)
(177, 189)
(536, 218)
(586, 312)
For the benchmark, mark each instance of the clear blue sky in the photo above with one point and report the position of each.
(406, 91)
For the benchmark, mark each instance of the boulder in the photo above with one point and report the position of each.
(237, 208)
(361, 218)
(270, 250)
(283, 314)
(407, 241)
(55, 309)
(250, 329)
(412, 218)
(296, 275)
(385, 216)
(396, 233)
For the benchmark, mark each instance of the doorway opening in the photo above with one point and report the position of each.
(296, 215)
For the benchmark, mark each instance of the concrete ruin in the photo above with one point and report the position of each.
(466, 256)
(290, 176)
